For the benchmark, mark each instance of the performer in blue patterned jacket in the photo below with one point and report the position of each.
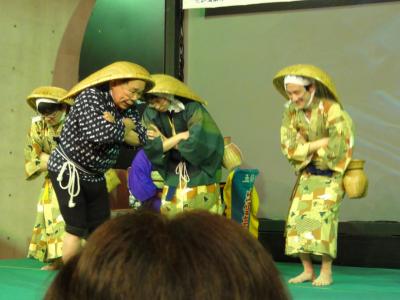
(101, 119)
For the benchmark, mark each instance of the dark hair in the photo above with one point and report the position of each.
(145, 255)
(147, 97)
(47, 108)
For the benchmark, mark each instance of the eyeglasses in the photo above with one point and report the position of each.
(133, 94)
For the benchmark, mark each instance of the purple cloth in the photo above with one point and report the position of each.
(140, 183)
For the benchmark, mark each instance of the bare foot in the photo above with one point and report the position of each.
(56, 265)
(49, 268)
(305, 276)
(323, 280)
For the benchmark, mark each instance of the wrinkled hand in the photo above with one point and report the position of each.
(184, 135)
(324, 142)
(153, 132)
(108, 117)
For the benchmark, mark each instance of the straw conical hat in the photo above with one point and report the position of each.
(117, 70)
(166, 84)
(309, 71)
(48, 92)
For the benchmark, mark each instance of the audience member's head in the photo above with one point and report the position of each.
(145, 255)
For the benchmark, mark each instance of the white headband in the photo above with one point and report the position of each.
(299, 80)
(44, 100)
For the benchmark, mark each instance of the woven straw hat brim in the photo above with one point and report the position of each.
(309, 71)
(48, 92)
(117, 70)
(166, 84)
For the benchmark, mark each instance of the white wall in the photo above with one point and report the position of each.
(230, 61)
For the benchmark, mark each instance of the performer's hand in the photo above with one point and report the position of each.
(108, 117)
(184, 135)
(153, 132)
(324, 142)
(44, 159)
(318, 144)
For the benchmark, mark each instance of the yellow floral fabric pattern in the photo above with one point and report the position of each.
(48, 230)
(326, 119)
(313, 216)
(206, 197)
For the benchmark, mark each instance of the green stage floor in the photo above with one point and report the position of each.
(349, 283)
(22, 279)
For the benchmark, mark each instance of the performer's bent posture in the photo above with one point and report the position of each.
(317, 139)
(185, 146)
(102, 118)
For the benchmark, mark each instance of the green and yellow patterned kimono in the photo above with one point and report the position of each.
(48, 231)
(200, 155)
(313, 216)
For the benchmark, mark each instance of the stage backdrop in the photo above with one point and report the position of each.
(124, 30)
(221, 3)
(231, 60)
(139, 31)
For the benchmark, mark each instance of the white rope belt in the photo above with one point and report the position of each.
(183, 174)
(73, 178)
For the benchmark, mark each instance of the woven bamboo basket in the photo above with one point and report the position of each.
(232, 155)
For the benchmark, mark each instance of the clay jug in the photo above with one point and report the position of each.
(232, 155)
(355, 180)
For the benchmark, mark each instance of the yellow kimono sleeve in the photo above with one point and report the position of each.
(32, 151)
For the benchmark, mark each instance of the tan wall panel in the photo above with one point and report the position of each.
(31, 33)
